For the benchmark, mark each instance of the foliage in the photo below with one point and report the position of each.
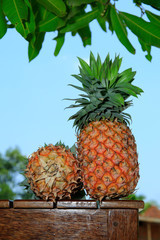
(11, 165)
(34, 18)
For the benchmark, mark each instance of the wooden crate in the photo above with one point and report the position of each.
(67, 220)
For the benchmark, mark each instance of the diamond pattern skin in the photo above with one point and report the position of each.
(108, 157)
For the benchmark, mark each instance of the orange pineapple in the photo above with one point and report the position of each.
(106, 147)
(53, 173)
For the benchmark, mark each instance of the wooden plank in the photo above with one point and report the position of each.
(125, 204)
(57, 224)
(122, 224)
(4, 204)
(72, 220)
(39, 204)
(85, 204)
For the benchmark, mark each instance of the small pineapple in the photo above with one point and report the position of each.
(53, 173)
(106, 147)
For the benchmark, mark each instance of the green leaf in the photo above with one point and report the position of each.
(99, 64)
(128, 91)
(81, 21)
(77, 87)
(74, 105)
(107, 17)
(35, 45)
(85, 35)
(116, 97)
(39, 11)
(60, 41)
(46, 21)
(135, 89)
(82, 101)
(153, 18)
(153, 3)
(82, 112)
(126, 76)
(120, 30)
(92, 116)
(72, 12)
(74, 3)
(56, 6)
(3, 24)
(102, 23)
(114, 69)
(73, 149)
(30, 24)
(82, 80)
(50, 23)
(147, 48)
(85, 67)
(16, 11)
(93, 65)
(100, 18)
(146, 31)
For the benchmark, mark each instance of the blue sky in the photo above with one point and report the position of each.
(32, 105)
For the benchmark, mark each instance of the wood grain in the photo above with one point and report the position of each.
(4, 204)
(123, 224)
(70, 220)
(57, 224)
(77, 204)
(33, 204)
(122, 204)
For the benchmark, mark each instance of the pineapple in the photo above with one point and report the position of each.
(53, 173)
(106, 148)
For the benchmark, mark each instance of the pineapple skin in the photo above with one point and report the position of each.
(108, 158)
(53, 173)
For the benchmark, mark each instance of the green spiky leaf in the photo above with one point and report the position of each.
(106, 91)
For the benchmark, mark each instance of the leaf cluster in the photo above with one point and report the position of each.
(34, 18)
(11, 164)
(105, 91)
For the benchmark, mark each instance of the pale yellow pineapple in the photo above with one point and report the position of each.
(53, 173)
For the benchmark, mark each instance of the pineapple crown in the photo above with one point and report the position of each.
(105, 91)
(62, 144)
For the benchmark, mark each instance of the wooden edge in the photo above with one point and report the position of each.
(79, 204)
(131, 204)
(4, 204)
(35, 204)
(70, 204)
(149, 219)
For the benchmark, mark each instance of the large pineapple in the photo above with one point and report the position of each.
(53, 173)
(106, 147)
